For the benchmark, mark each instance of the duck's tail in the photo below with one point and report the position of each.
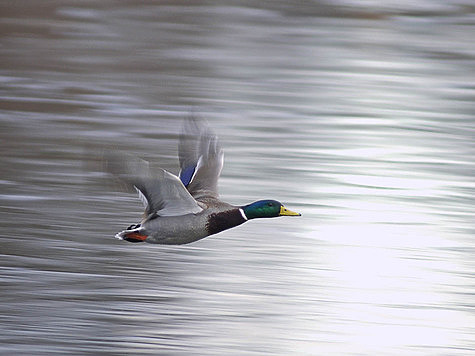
(134, 233)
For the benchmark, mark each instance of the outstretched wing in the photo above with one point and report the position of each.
(160, 191)
(201, 159)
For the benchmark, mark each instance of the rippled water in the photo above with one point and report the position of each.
(358, 114)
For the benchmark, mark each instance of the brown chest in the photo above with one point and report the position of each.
(224, 220)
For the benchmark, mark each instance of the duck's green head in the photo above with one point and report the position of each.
(266, 209)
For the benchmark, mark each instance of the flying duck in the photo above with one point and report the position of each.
(187, 208)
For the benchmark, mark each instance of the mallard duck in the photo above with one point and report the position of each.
(184, 209)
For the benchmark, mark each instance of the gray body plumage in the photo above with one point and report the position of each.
(187, 228)
(176, 230)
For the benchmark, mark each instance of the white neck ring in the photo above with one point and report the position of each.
(243, 214)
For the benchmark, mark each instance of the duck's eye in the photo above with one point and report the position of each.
(270, 204)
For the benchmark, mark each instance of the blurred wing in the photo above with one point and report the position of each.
(161, 192)
(201, 159)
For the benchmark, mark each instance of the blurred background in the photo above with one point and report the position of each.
(357, 113)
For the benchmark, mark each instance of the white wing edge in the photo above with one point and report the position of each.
(142, 197)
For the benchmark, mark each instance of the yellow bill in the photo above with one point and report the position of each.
(286, 212)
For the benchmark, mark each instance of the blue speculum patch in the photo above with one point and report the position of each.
(186, 175)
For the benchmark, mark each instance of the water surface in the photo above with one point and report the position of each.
(359, 115)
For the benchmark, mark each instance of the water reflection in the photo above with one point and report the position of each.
(358, 116)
